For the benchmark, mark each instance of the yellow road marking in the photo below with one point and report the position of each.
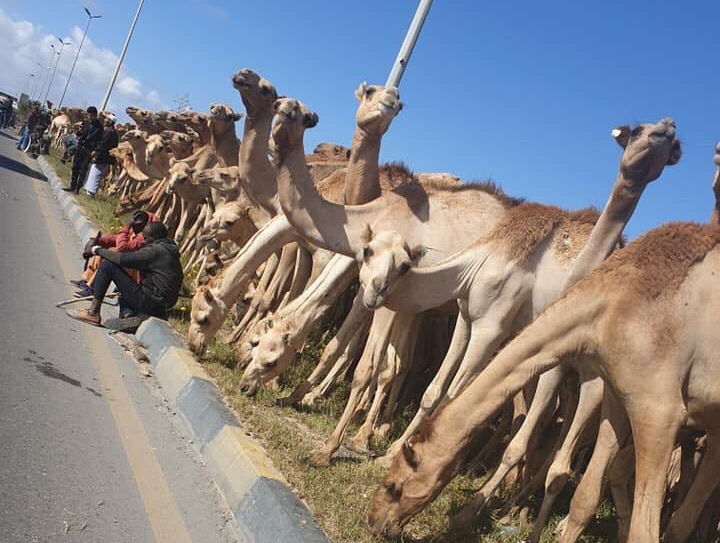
(162, 511)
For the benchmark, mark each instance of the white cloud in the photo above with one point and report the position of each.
(25, 49)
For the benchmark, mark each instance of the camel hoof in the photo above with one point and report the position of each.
(359, 445)
(287, 401)
(320, 458)
(382, 431)
(309, 400)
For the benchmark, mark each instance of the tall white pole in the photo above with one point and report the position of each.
(408, 44)
(122, 56)
(72, 69)
(47, 72)
(52, 78)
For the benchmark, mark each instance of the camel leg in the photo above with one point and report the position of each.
(365, 373)
(396, 360)
(591, 393)
(614, 430)
(438, 387)
(619, 477)
(654, 426)
(355, 322)
(518, 446)
(281, 278)
(183, 218)
(303, 268)
(351, 353)
(246, 324)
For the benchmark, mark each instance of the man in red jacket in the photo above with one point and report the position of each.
(128, 239)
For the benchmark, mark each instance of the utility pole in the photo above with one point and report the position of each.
(52, 78)
(47, 72)
(72, 69)
(122, 56)
(408, 44)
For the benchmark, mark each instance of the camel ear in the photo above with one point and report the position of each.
(716, 158)
(416, 253)
(276, 104)
(360, 92)
(310, 120)
(622, 135)
(286, 337)
(237, 117)
(208, 296)
(366, 235)
(409, 454)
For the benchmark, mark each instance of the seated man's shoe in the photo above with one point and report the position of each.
(84, 315)
(68, 189)
(84, 292)
(80, 283)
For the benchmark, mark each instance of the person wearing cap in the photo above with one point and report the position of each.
(100, 157)
(87, 141)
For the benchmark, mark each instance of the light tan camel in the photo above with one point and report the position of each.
(180, 143)
(211, 304)
(222, 134)
(144, 119)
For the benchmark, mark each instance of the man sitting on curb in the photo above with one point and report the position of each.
(161, 277)
(129, 238)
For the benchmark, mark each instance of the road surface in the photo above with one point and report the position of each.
(89, 452)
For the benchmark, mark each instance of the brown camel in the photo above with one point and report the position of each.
(651, 301)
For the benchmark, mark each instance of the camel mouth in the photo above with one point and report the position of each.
(388, 107)
(249, 389)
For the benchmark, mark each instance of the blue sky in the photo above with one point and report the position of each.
(523, 92)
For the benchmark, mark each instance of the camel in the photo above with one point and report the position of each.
(180, 143)
(222, 134)
(377, 108)
(143, 119)
(651, 301)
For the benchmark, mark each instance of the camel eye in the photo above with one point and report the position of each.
(367, 253)
(393, 491)
(404, 268)
(370, 91)
(254, 343)
(636, 131)
(227, 223)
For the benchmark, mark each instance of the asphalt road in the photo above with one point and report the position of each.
(89, 452)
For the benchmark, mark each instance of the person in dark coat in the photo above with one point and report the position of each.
(100, 158)
(161, 277)
(88, 140)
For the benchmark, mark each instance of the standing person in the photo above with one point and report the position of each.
(87, 141)
(30, 123)
(100, 157)
(161, 277)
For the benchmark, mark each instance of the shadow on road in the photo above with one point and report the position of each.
(8, 136)
(18, 167)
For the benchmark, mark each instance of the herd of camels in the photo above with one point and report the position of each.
(532, 340)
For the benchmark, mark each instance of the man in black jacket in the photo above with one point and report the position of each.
(101, 158)
(161, 277)
(88, 140)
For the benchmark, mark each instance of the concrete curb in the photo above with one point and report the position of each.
(265, 508)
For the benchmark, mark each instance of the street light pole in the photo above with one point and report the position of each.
(52, 78)
(47, 71)
(72, 69)
(122, 56)
(408, 44)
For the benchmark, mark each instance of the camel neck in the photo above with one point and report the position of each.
(362, 183)
(715, 217)
(608, 230)
(256, 134)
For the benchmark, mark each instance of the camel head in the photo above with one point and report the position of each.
(135, 138)
(223, 114)
(206, 317)
(270, 354)
(384, 259)
(156, 148)
(139, 115)
(256, 92)
(378, 107)
(177, 141)
(231, 221)
(409, 485)
(648, 149)
(180, 175)
(222, 179)
(292, 118)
